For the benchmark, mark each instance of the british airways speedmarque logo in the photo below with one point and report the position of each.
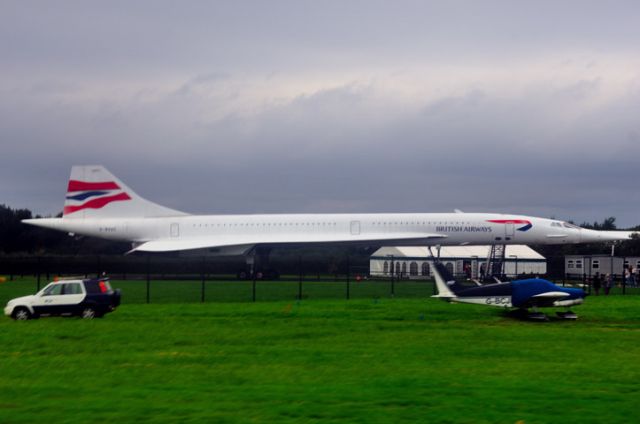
(93, 195)
(526, 227)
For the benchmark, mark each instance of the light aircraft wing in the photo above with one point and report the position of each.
(546, 299)
(206, 242)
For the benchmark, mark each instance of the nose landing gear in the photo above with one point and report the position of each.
(570, 315)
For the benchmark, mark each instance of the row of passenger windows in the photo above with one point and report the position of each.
(323, 224)
(270, 224)
(421, 223)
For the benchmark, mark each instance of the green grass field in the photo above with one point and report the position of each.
(368, 360)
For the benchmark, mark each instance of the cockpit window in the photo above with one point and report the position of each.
(574, 227)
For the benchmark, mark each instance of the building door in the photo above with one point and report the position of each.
(355, 228)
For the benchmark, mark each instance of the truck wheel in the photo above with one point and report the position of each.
(88, 313)
(21, 314)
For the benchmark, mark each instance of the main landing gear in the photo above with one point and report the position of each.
(258, 266)
(535, 315)
(526, 315)
(570, 315)
(268, 274)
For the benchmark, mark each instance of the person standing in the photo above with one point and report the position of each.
(627, 278)
(597, 283)
(608, 283)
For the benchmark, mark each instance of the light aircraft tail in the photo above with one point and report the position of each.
(93, 192)
(445, 282)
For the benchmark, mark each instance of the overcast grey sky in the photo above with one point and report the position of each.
(528, 107)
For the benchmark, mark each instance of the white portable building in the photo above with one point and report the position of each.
(414, 261)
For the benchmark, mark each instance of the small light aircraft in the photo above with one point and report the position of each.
(521, 294)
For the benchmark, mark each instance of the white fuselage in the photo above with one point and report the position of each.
(98, 204)
(385, 229)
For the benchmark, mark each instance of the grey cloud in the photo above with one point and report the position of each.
(178, 102)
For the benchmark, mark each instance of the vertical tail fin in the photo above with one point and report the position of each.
(445, 282)
(93, 192)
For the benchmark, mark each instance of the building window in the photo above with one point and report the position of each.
(385, 267)
(426, 269)
(579, 264)
(413, 268)
(595, 264)
(397, 268)
(570, 265)
(404, 268)
(449, 267)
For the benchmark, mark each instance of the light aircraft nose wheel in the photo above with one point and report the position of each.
(537, 316)
(567, 315)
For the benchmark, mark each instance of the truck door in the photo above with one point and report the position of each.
(59, 298)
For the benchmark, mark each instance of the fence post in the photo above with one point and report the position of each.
(39, 265)
(393, 276)
(148, 277)
(348, 278)
(393, 286)
(202, 286)
(253, 288)
(300, 277)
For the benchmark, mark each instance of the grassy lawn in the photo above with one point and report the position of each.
(367, 360)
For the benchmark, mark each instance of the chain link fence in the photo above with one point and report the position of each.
(157, 279)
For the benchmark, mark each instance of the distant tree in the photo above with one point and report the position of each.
(608, 224)
(631, 247)
(16, 237)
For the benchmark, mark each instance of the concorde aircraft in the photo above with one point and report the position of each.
(99, 204)
(520, 294)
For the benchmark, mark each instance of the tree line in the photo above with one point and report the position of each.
(19, 238)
